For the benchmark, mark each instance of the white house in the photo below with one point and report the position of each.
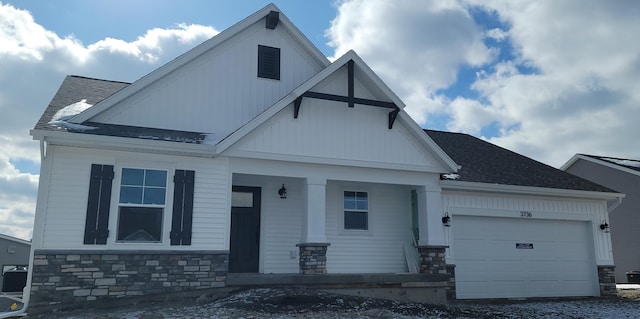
(253, 157)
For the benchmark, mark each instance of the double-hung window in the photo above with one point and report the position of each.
(356, 210)
(143, 194)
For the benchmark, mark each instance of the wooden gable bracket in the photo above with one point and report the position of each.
(350, 99)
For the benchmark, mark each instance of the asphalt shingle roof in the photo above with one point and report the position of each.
(77, 88)
(484, 162)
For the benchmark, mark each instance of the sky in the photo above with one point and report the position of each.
(544, 78)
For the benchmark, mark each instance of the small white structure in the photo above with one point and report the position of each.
(252, 153)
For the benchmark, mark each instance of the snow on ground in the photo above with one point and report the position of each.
(310, 304)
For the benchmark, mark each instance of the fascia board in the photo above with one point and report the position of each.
(443, 158)
(124, 144)
(527, 190)
(577, 157)
(193, 54)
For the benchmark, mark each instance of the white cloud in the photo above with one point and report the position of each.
(416, 47)
(496, 34)
(34, 63)
(583, 97)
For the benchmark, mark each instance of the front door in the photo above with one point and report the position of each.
(244, 250)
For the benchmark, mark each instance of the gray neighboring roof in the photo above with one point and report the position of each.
(77, 88)
(622, 162)
(483, 162)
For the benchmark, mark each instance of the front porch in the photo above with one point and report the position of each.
(423, 288)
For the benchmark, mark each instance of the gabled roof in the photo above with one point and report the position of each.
(77, 88)
(14, 239)
(370, 77)
(201, 49)
(627, 165)
(483, 162)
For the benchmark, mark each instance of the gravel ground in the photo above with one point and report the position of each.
(309, 304)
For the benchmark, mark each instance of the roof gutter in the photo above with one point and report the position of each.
(122, 144)
(530, 190)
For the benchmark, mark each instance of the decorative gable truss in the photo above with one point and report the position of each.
(350, 99)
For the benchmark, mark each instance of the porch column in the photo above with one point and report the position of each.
(430, 213)
(315, 216)
(313, 244)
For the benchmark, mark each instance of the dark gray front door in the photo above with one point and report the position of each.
(244, 250)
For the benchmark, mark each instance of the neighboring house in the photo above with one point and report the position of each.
(622, 175)
(14, 253)
(252, 157)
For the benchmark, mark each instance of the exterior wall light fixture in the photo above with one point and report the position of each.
(446, 220)
(282, 192)
(604, 226)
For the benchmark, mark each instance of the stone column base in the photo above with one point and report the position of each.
(313, 258)
(607, 280)
(433, 262)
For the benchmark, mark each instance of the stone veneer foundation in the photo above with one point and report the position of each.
(313, 258)
(433, 262)
(607, 280)
(69, 276)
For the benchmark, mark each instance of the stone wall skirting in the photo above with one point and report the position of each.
(69, 276)
(607, 280)
(433, 262)
(313, 258)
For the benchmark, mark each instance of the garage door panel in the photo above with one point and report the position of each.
(509, 257)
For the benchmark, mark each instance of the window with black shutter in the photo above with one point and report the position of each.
(268, 62)
(96, 228)
(181, 222)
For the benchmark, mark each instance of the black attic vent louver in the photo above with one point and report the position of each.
(272, 19)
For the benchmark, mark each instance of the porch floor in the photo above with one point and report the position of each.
(336, 280)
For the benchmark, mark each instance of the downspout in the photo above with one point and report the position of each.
(615, 204)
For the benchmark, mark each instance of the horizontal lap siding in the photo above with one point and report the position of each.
(69, 186)
(210, 204)
(280, 221)
(381, 250)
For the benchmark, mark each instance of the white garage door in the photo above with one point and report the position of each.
(513, 258)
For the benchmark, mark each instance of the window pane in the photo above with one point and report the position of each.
(241, 199)
(351, 195)
(130, 195)
(132, 176)
(356, 220)
(155, 178)
(140, 224)
(362, 204)
(154, 196)
(349, 203)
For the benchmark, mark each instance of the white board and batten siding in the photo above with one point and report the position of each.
(218, 91)
(68, 192)
(328, 132)
(515, 246)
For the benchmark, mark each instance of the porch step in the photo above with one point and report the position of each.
(333, 280)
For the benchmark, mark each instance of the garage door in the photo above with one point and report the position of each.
(513, 258)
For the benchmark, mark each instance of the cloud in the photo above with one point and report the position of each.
(417, 47)
(583, 96)
(34, 63)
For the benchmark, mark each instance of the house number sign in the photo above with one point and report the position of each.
(524, 245)
(526, 214)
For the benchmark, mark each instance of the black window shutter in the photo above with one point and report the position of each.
(182, 219)
(96, 228)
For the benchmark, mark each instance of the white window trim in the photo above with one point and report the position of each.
(115, 205)
(355, 232)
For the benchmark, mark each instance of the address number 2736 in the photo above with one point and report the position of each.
(526, 214)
